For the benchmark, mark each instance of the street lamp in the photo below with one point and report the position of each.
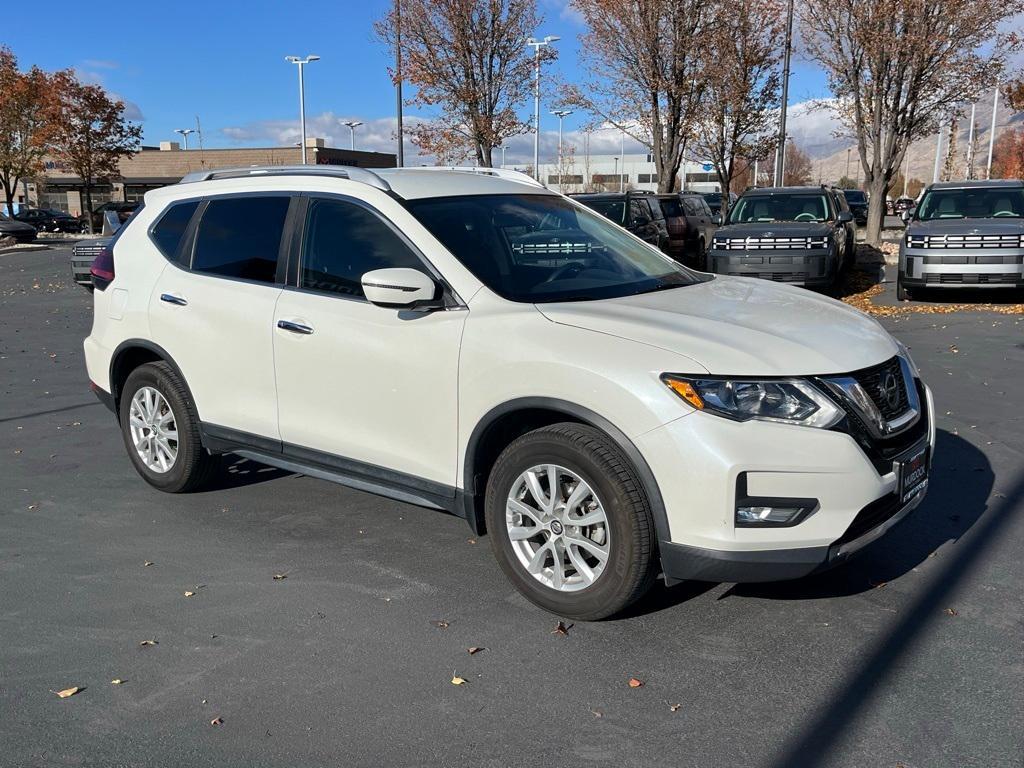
(622, 154)
(302, 95)
(352, 125)
(184, 134)
(561, 114)
(537, 45)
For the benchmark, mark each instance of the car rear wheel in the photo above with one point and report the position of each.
(161, 430)
(570, 524)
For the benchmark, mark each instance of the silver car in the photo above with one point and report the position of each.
(964, 234)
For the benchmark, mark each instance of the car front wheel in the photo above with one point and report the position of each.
(570, 524)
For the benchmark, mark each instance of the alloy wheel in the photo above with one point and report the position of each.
(154, 430)
(558, 527)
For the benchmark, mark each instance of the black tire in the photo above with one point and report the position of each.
(632, 559)
(902, 294)
(193, 465)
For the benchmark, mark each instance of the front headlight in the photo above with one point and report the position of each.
(789, 401)
(905, 354)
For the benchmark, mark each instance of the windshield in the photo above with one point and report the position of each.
(781, 207)
(542, 248)
(613, 210)
(854, 196)
(713, 197)
(974, 203)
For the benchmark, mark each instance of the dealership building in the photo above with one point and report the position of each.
(152, 167)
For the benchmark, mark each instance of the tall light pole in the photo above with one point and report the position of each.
(906, 172)
(537, 45)
(755, 173)
(992, 130)
(561, 115)
(780, 167)
(970, 146)
(502, 155)
(352, 125)
(938, 152)
(848, 151)
(615, 166)
(301, 63)
(622, 154)
(398, 82)
(184, 134)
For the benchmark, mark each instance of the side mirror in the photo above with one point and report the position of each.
(399, 287)
(906, 215)
(641, 221)
(845, 217)
(717, 219)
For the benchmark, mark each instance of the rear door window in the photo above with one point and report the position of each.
(169, 230)
(240, 237)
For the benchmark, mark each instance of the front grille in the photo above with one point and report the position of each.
(882, 451)
(778, 277)
(87, 250)
(972, 278)
(871, 379)
(769, 243)
(966, 241)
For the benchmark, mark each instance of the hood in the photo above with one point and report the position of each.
(740, 326)
(776, 229)
(1001, 226)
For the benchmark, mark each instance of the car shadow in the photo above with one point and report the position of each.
(237, 472)
(960, 485)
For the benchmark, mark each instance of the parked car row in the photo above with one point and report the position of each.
(51, 220)
(19, 230)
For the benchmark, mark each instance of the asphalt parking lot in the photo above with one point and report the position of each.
(912, 655)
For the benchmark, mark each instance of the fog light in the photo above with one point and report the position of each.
(768, 515)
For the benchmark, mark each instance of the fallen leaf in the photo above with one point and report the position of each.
(468, 541)
(634, 683)
(878, 584)
(475, 650)
(951, 611)
(189, 593)
(456, 680)
(441, 624)
(562, 629)
(597, 713)
(148, 642)
(116, 681)
(217, 721)
(280, 576)
(147, 564)
(673, 707)
(67, 692)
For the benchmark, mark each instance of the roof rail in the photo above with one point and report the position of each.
(336, 171)
(502, 173)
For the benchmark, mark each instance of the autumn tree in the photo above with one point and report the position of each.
(899, 68)
(1008, 155)
(644, 62)
(799, 167)
(26, 112)
(90, 133)
(740, 102)
(467, 58)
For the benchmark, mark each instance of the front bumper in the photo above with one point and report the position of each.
(696, 461)
(958, 268)
(815, 267)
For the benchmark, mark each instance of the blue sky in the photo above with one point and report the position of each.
(225, 62)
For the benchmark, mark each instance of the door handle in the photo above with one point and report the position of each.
(289, 325)
(173, 298)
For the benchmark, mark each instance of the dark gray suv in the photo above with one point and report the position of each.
(964, 233)
(801, 235)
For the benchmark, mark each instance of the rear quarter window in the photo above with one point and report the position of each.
(170, 228)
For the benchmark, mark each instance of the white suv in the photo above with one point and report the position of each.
(472, 342)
